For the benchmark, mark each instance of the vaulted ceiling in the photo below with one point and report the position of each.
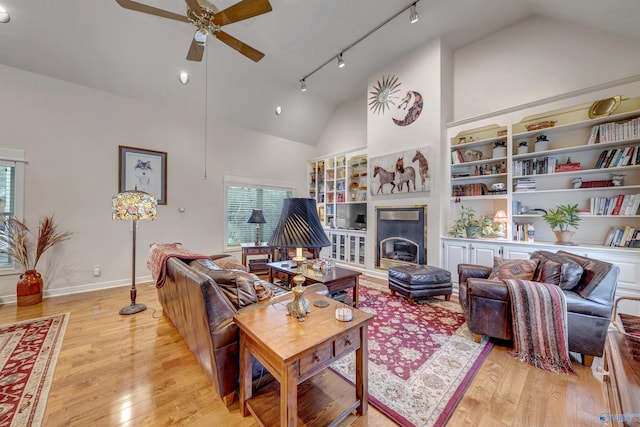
(104, 46)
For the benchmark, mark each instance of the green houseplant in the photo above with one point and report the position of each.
(469, 224)
(561, 219)
(16, 240)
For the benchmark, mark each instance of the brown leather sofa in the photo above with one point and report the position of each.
(487, 305)
(202, 312)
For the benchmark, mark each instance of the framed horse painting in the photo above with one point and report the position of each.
(403, 172)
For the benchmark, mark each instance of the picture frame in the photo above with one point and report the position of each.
(143, 170)
(401, 172)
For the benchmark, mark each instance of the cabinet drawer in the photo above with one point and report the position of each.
(316, 360)
(279, 275)
(257, 251)
(347, 343)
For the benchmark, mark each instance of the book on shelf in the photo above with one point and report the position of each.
(568, 167)
(523, 232)
(594, 135)
(624, 237)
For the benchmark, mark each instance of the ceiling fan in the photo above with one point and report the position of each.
(208, 21)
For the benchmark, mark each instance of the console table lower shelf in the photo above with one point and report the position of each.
(297, 355)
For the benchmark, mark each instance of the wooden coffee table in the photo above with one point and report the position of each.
(335, 279)
(297, 355)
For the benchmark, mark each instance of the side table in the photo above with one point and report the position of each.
(297, 355)
(251, 249)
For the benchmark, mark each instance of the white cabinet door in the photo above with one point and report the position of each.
(517, 252)
(455, 253)
(483, 253)
(356, 249)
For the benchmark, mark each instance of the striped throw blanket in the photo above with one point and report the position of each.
(540, 325)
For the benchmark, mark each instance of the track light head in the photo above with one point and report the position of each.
(413, 16)
(303, 85)
(340, 61)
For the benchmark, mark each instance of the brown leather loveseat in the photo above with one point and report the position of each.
(589, 296)
(202, 310)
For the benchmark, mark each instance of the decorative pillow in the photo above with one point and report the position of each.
(522, 269)
(237, 285)
(556, 269)
(263, 291)
(230, 262)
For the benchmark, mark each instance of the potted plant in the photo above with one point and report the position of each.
(469, 224)
(561, 219)
(16, 241)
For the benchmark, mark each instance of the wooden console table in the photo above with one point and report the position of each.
(297, 355)
(621, 382)
(253, 249)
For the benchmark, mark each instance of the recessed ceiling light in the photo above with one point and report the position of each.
(183, 77)
(278, 110)
(4, 15)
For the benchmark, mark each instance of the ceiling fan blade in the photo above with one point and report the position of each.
(195, 6)
(241, 10)
(246, 50)
(196, 50)
(139, 7)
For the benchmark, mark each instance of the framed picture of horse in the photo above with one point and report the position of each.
(403, 172)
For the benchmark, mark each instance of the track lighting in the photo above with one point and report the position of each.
(413, 16)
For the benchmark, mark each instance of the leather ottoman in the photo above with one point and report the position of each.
(420, 281)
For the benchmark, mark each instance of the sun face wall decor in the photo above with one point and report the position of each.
(385, 96)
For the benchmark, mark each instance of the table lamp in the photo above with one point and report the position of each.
(501, 219)
(132, 206)
(257, 218)
(360, 219)
(299, 227)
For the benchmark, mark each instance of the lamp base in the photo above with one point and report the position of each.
(133, 309)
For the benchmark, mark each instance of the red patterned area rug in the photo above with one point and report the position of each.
(28, 354)
(421, 357)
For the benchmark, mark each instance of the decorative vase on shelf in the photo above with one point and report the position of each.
(500, 149)
(471, 231)
(542, 143)
(523, 148)
(29, 288)
(564, 238)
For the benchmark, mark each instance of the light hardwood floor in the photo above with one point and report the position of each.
(136, 371)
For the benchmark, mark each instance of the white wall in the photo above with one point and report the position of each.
(71, 135)
(536, 59)
(346, 130)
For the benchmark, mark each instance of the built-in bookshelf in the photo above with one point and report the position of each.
(563, 155)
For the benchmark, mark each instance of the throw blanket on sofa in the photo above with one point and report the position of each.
(540, 325)
(160, 253)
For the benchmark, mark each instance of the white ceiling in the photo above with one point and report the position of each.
(101, 45)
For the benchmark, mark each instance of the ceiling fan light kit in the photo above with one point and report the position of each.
(413, 17)
(209, 22)
(4, 15)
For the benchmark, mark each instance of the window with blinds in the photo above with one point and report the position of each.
(241, 199)
(7, 201)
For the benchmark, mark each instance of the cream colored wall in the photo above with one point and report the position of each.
(71, 135)
(536, 59)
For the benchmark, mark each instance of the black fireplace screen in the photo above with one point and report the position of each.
(401, 236)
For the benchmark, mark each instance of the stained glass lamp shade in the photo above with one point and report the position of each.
(134, 206)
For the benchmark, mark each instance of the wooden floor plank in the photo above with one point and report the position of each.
(135, 370)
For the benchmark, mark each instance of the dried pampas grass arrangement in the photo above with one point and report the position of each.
(15, 241)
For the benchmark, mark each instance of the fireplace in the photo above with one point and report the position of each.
(401, 236)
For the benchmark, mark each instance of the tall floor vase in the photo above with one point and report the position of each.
(29, 288)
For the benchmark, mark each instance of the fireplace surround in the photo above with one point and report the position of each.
(401, 236)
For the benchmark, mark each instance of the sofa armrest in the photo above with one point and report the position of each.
(466, 271)
(218, 256)
(490, 289)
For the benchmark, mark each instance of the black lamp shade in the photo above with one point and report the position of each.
(360, 219)
(299, 226)
(256, 217)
